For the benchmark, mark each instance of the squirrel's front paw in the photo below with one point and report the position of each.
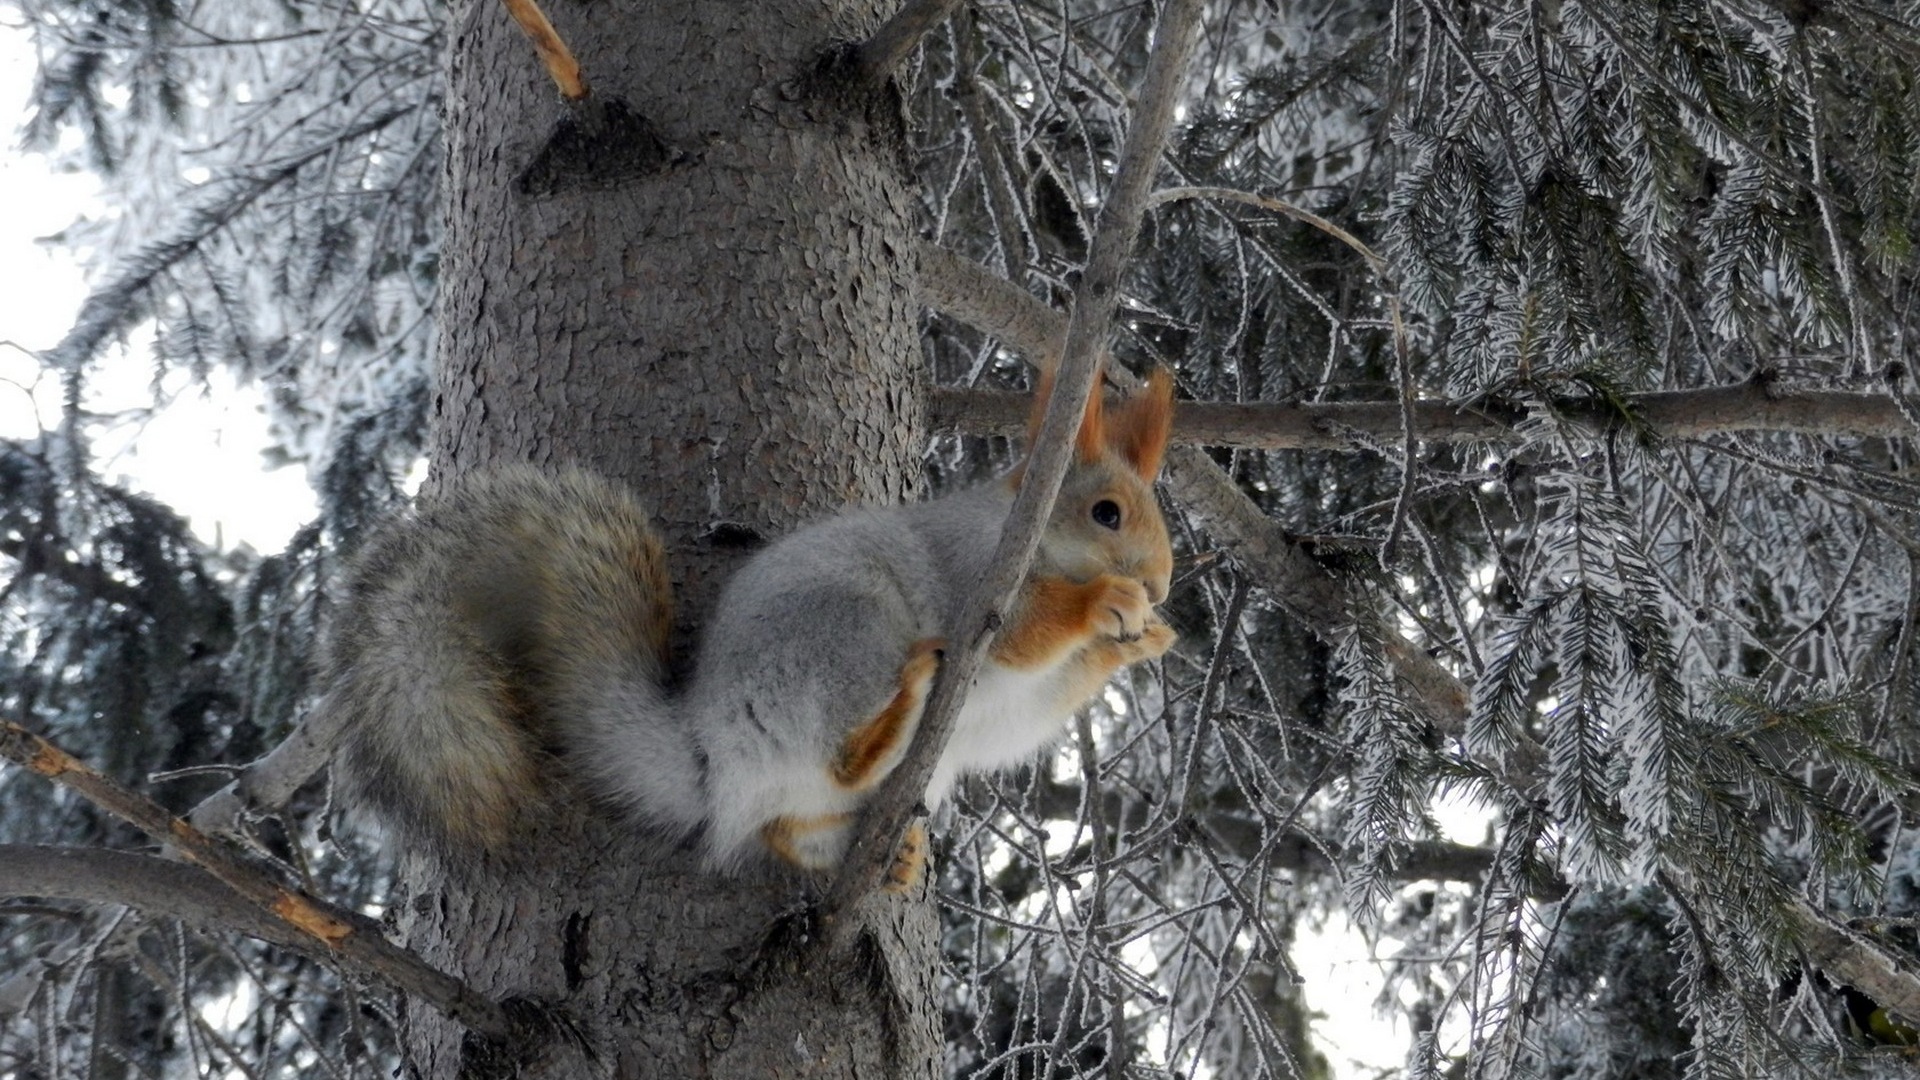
(1121, 609)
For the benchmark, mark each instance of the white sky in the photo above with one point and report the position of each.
(201, 455)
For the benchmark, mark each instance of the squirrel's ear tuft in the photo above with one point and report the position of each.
(1090, 442)
(1138, 430)
(1037, 412)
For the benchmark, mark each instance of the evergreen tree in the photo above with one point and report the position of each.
(1549, 453)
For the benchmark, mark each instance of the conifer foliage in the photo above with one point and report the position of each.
(1656, 258)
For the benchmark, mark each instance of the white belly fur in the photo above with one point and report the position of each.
(1001, 724)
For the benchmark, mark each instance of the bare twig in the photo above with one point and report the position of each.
(886, 815)
(341, 933)
(1409, 437)
(1278, 206)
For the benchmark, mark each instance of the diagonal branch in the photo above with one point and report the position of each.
(110, 309)
(887, 813)
(148, 883)
(552, 49)
(342, 934)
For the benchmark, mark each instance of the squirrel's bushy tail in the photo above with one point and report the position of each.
(519, 616)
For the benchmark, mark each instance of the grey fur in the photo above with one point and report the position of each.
(506, 623)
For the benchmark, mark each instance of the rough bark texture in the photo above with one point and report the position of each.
(733, 334)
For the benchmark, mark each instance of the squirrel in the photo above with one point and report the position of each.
(518, 624)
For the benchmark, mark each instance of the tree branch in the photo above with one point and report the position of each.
(976, 296)
(109, 308)
(1323, 603)
(887, 813)
(1673, 414)
(872, 60)
(268, 784)
(1293, 850)
(343, 934)
(1858, 961)
(148, 883)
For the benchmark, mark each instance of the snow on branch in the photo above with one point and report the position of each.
(115, 306)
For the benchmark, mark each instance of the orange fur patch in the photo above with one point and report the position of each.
(880, 741)
(1054, 616)
(649, 564)
(1139, 428)
(1094, 666)
(1089, 440)
(910, 862)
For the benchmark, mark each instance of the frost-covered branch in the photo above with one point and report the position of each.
(1321, 600)
(112, 308)
(1294, 852)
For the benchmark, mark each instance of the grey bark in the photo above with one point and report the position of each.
(733, 335)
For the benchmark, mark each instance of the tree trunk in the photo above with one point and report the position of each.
(731, 331)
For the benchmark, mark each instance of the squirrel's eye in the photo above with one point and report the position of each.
(1106, 513)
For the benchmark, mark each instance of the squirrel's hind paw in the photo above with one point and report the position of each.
(910, 862)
